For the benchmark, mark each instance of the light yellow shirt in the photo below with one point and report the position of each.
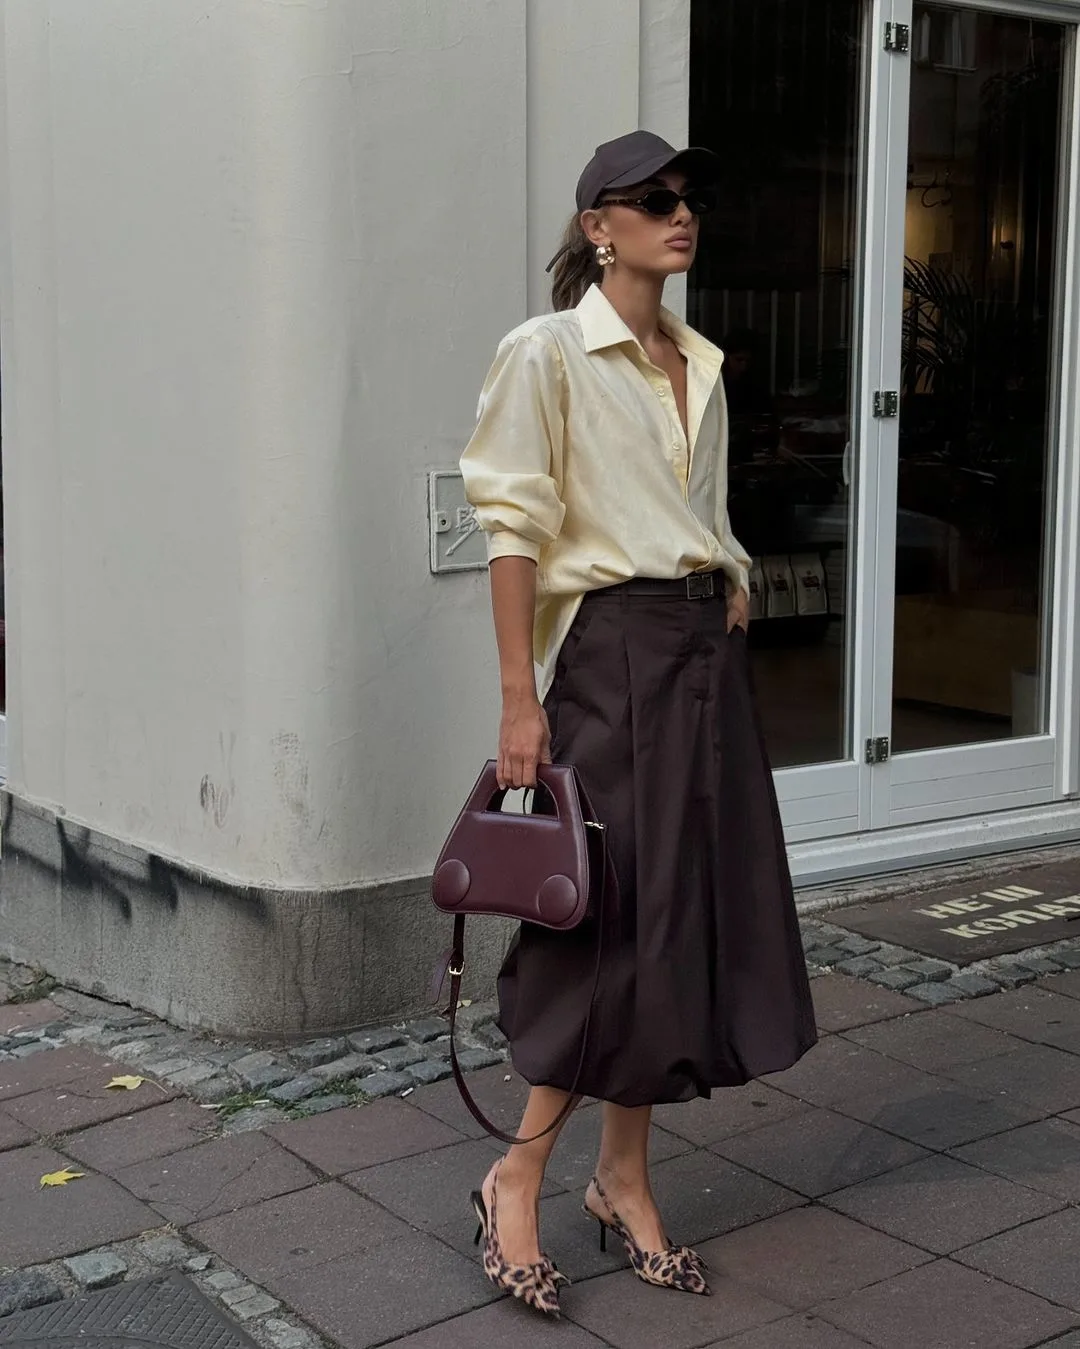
(579, 462)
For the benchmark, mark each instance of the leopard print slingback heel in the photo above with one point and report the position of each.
(676, 1267)
(536, 1285)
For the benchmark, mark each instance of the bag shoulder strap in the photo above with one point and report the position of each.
(456, 968)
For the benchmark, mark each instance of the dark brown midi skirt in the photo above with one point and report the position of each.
(702, 981)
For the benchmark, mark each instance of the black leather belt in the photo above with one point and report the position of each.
(699, 585)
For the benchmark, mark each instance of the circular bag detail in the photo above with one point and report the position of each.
(450, 884)
(556, 899)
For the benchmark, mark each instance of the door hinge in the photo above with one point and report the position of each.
(886, 403)
(877, 749)
(897, 38)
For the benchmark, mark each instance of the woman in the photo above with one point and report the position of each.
(598, 469)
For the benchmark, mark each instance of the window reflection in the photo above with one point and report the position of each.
(775, 92)
(974, 422)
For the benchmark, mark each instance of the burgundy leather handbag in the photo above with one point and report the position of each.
(547, 867)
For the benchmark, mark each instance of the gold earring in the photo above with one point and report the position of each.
(605, 254)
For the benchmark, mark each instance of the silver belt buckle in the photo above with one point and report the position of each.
(699, 587)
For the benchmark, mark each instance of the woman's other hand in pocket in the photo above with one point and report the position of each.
(738, 611)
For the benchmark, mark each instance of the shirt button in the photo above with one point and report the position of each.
(662, 392)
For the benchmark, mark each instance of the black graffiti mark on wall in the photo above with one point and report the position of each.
(214, 800)
(80, 872)
(84, 866)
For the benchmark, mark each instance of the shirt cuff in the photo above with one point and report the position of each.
(505, 543)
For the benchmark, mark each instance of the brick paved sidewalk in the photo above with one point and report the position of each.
(914, 1181)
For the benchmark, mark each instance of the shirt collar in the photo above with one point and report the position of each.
(602, 327)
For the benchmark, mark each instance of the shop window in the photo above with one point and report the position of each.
(774, 90)
(976, 436)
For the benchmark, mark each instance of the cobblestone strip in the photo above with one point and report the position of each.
(262, 1316)
(829, 947)
(251, 1086)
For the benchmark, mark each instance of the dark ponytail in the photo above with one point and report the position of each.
(576, 268)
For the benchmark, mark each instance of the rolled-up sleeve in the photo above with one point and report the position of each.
(730, 544)
(511, 463)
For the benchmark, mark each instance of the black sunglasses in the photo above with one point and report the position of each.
(663, 201)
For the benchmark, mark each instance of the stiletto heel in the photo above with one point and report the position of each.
(536, 1285)
(674, 1267)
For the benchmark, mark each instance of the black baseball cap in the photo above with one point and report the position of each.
(636, 157)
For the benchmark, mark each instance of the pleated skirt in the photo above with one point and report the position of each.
(702, 981)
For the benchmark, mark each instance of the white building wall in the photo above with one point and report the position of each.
(255, 259)
(595, 71)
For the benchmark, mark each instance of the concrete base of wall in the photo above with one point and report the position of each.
(121, 923)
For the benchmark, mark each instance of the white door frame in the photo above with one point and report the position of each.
(890, 842)
(823, 800)
(846, 817)
(960, 781)
(1064, 611)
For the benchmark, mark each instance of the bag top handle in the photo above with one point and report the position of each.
(556, 779)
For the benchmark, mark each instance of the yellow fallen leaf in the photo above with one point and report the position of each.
(127, 1082)
(61, 1177)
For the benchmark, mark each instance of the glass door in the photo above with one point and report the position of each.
(891, 275)
(779, 89)
(968, 665)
